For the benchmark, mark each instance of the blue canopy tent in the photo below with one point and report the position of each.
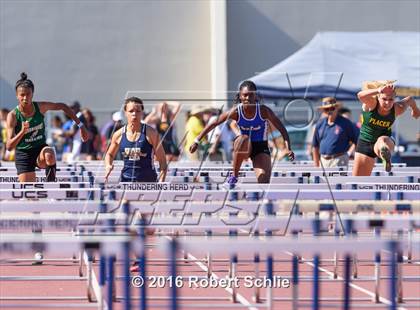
(337, 63)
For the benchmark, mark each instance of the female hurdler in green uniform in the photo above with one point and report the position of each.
(379, 111)
(26, 132)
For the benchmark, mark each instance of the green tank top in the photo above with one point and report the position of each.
(35, 136)
(375, 125)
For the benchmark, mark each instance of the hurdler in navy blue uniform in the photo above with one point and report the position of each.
(138, 143)
(138, 158)
(252, 118)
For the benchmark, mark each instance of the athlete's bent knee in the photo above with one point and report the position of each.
(241, 144)
(49, 156)
(384, 139)
(263, 178)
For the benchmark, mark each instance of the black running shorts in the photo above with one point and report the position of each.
(258, 147)
(25, 160)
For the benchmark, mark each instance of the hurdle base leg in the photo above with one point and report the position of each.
(335, 275)
(355, 267)
(232, 273)
(91, 296)
(209, 265)
(410, 247)
(256, 298)
(400, 299)
(81, 263)
(375, 298)
(89, 271)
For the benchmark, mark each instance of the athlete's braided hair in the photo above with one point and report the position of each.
(251, 86)
(24, 82)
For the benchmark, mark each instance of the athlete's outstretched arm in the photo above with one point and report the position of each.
(231, 114)
(156, 115)
(12, 139)
(112, 152)
(153, 135)
(175, 107)
(367, 98)
(47, 106)
(402, 105)
(152, 118)
(268, 114)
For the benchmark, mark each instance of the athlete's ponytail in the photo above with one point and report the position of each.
(24, 82)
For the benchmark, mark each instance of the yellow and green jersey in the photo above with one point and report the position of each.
(375, 125)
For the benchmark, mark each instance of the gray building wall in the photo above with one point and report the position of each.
(96, 51)
(260, 34)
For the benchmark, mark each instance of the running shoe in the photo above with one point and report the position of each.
(135, 267)
(386, 158)
(38, 257)
(231, 182)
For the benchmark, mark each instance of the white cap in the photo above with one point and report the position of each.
(117, 116)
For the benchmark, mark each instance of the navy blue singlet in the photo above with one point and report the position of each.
(138, 158)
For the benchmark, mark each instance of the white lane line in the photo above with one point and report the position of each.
(356, 287)
(239, 297)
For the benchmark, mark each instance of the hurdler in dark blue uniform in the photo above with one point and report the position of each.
(138, 158)
(138, 144)
(137, 154)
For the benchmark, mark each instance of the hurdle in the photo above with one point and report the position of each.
(204, 224)
(51, 244)
(83, 164)
(287, 246)
(208, 186)
(215, 175)
(315, 246)
(221, 212)
(204, 195)
(267, 248)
